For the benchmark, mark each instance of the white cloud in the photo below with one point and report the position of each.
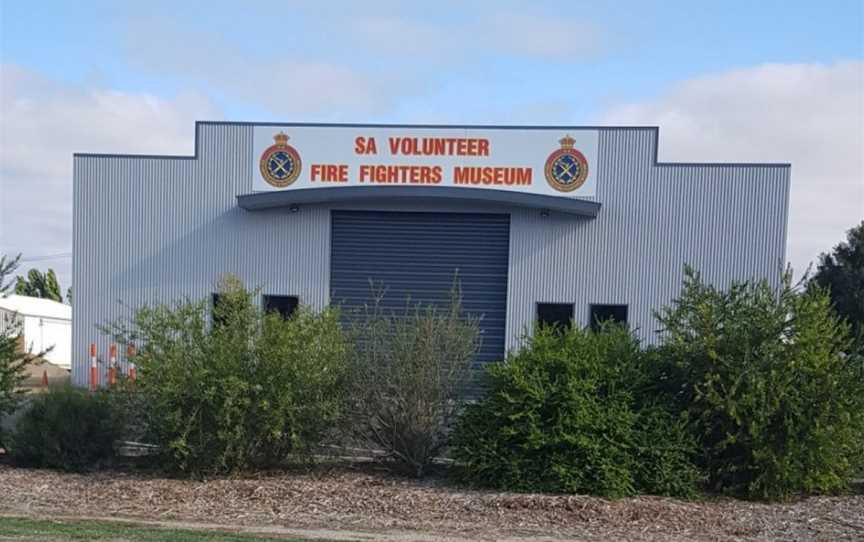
(537, 35)
(810, 115)
(498, 33)
(44, 123)
(353, 62)
(278, 79)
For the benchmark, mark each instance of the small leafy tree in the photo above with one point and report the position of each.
(246, 389)
(762, 377)
(13, 357)
(40, 285)
(408, 378)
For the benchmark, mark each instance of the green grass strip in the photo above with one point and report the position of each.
(27, 530)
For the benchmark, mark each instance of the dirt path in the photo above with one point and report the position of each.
(346, 504)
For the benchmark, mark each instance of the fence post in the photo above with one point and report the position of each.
(112, 364)
(94, 374)
(130, 355)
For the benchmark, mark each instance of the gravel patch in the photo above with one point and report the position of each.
(363, 500)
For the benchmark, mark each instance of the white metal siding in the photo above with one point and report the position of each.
(42, 333)
(155, 229)
(729, 222)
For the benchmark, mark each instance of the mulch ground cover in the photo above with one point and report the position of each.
(365, 499)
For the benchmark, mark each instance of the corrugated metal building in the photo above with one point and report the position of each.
(612, 242)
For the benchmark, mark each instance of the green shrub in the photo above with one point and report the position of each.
(408, 378)
(562, 415)
(664, 452)
(66, 428)
(251, 390)
(760, 374)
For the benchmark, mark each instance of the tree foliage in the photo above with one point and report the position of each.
(67, 429)
(751, 389)
(762, 377)
(8, 266)
(841, 272)
(569, 413)
(38, 284)
(13, 357)
(244, 390)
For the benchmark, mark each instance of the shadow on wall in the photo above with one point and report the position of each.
(249, 244)
(183, 261)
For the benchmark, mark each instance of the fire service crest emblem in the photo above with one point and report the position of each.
(280, 164)
(566, 168)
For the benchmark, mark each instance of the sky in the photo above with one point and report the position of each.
(764, 81)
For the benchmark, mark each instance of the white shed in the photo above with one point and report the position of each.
(47, 324)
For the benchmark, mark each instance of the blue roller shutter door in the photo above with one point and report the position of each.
(416, 256)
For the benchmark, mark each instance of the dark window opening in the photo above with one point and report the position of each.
(607, 313)
(218, 318)
(285, 305)
(557, 315)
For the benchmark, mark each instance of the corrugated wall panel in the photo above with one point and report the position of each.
(156, 229)
(414, 258)
(727, 221)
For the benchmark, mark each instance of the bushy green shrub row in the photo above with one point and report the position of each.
(751, 392)
(752, 389)
(243, 389)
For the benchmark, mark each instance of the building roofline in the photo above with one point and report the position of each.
(654, 129)
(447, 126)
(36, 307)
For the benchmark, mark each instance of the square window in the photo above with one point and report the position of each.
(555, 314)
(605, 313)
(285, 305)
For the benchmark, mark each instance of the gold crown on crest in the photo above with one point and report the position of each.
(281, 138)
(567, 142)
